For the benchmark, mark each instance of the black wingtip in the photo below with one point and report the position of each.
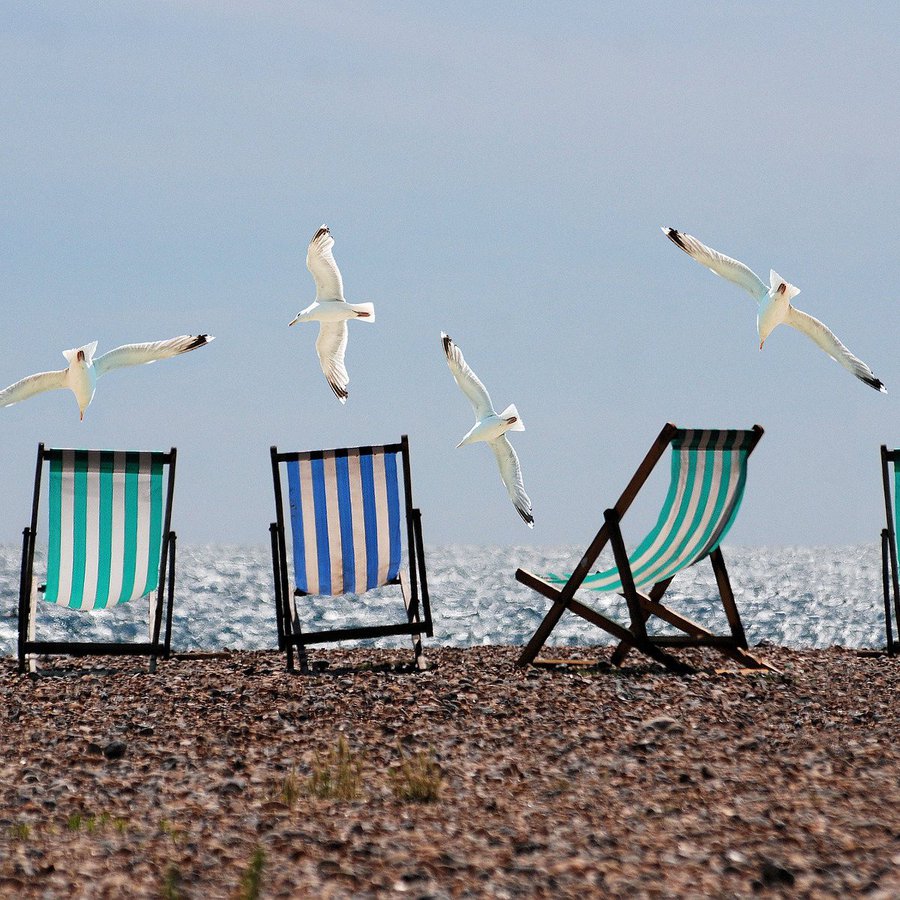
(876, 383)
(526, 516)
(675, 237)
(339, 392)
(198, 341)
(323, 230)
(447, 341)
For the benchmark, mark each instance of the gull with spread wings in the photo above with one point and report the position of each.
(491, 428)
(774, 304)
(331, 311)
(81, 375)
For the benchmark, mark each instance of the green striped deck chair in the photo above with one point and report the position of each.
(109, 541)
(708, 475)
(346, 511)
(890, 459)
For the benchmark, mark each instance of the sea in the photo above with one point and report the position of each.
(811, 597)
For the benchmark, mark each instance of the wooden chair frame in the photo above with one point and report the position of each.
(413, 581)
(889, 577)
(154, 648)
(640, 605)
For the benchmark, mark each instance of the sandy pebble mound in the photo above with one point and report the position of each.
(228, 777)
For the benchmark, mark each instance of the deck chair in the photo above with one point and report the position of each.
(708, 474)
(346, 538)
(109, 541)
(889, 578)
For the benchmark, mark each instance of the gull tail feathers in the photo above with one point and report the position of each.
(364, 311)
(780, 286)
(512, 413)
(88, 350)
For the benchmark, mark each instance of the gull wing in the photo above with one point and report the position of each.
(722, 265)
(511, 473)
(828, 341)
(467, 380)
(330, 345)
(138, 354)
(31, 385)
(321, 264)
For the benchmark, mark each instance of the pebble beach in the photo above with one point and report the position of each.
(223, 775)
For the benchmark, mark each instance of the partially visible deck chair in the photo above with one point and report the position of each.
(708, 474)
(109, 541)
(346, 538)
(890, 458)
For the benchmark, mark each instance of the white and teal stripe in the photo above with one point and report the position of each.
(345, 520)
(709, 471)
(105, 530)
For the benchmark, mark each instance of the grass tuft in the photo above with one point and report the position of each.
(336, 775)
(251, 881)
(21, 831)
(290, 789)
(171, 886)
(418, 780)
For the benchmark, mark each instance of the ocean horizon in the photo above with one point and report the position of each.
(799, 597)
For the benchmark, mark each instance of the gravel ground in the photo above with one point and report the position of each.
(223, 777)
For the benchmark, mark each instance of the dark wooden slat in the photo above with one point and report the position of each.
(727, 597)
(87, 648)
(352, 634)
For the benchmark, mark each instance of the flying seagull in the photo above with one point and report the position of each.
(492, 428)
(331, 311)
(81, 375)
(774, 304)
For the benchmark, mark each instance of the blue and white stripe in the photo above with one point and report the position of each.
(345, 520)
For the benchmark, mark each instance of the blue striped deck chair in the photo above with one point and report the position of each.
(346, 522)
(890, 459)
(109, 541)
(708, 475)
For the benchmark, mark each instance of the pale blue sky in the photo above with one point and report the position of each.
(496, 171)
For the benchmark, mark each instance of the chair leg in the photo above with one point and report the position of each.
(412, 614)
(656, 594)
(727, 596)
(620, 554)
(886, 581)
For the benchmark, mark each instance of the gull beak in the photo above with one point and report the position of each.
(81, 414)
(761, 344)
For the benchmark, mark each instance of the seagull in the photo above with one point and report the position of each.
(331, 311)
(774, 304)
(82, 372)
(492, 428)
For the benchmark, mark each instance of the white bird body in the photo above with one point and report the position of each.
(80, 376)
(491, 428)
(331, 311)
(774, 304)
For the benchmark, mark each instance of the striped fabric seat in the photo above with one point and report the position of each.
(708, 475)
(345, 520)
(106, 512)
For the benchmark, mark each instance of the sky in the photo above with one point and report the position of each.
(496, 171)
